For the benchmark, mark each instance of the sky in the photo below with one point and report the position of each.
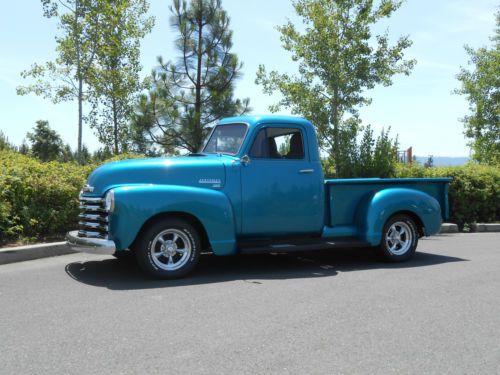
(421, 108)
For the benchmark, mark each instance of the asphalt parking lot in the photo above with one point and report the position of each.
(342, 311)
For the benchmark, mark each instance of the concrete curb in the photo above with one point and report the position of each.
(30, 252)
(449, 228)
(482, 227)
(474, 228)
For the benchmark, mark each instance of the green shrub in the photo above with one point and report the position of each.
(474, 193)
(39, 200)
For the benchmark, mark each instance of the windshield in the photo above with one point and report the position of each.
(226, 139)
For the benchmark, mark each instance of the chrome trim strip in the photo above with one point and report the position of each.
(92, 208)
(92, 225)
(91, 200)
(89, 245)
(91, 234)
(102, 219)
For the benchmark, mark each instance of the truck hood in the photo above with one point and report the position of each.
(200, 171)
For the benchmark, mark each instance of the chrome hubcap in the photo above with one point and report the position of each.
(170, 249)
(398, 238)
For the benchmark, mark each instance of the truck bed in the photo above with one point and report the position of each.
(344, 196)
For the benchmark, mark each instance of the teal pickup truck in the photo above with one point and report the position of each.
(256, 186)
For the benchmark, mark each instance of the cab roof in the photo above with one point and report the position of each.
(265, 119)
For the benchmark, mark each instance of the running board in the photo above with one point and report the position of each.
(261, 247)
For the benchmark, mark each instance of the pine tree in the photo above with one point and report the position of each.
(195, 91)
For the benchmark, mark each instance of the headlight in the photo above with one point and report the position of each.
(109, 201)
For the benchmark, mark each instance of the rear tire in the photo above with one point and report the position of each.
(168, 249)
(399, 239)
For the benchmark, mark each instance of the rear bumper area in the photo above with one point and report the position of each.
(89, 245)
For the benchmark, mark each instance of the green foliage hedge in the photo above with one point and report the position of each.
(474, 193)
(40, 200)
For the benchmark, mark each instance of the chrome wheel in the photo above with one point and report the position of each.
(170, 249)
(399, 238)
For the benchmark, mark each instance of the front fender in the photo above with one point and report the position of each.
(377, 208)
(134, 205)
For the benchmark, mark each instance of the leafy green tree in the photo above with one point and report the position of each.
(86, 156)
(5, 143)
(385, 156)
(338, 59)
(24, 148)
(368, 157)
(365, 160)
(195, 91)
(114, 81)
(64, 78)
(67, 155)
(375, 157)
(101, 155)
(46, 144)
(430, 162)
(481, 86)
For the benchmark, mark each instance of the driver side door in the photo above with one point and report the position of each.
(280, 186)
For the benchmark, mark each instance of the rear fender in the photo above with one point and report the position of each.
(377, 208)
(134, 205)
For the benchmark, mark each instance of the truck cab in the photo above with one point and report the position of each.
(256, 186)
(280, 177)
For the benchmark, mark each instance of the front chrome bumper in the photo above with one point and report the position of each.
(89, 245)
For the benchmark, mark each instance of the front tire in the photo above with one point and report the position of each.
(399, 239)
(168, 249)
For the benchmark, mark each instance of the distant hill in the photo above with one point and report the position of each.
(444, 161)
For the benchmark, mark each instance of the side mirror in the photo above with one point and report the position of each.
(245, 160)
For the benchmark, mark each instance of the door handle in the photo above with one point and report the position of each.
(306, 171)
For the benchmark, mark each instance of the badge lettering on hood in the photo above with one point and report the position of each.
(215, 182)
(87, 188)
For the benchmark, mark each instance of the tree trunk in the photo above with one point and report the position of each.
(115, 126)
(197, 131)
(80, 84)
(336, 132)
(80, 119)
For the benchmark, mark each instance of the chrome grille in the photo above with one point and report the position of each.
(93, 219)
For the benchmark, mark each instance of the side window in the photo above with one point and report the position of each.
(260, 148)
(278, 143)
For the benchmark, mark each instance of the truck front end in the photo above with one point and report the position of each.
(92, 235)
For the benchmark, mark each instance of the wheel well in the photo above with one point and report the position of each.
(191, 219)
(416, 219)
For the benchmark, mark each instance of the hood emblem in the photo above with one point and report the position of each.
(87, 188)
(215, 182)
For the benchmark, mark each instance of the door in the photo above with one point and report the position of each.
(280, 186)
